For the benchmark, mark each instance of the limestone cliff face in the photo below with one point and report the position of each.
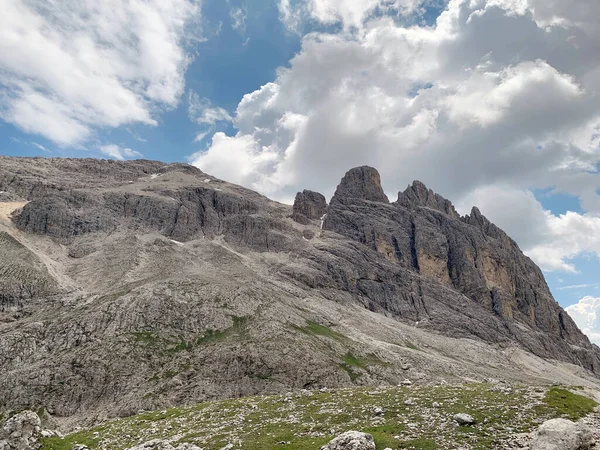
(308, 205)
(362, 183)
(138, 284)
(423, 233)
(417, 195)
(22, 276)
(175, 200)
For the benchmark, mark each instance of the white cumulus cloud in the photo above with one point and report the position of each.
(350, 13)
(201, 111)
(69, 67)
(586, 314)
(495, 99)
(120, 153)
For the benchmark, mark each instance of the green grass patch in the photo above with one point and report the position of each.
(316, 329)
(146, 337)
(239, 327)
(180, 347)
(383, 435)
(210, 336)
(420, 444)
(350, 363)
(351, 373)
(176, 344)
(412, 346)
(353, 361)
(56, 443)
(307, 420)
(567, 404)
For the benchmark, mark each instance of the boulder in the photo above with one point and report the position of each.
(21, 432)
(378, 411)
(464, 419)
(155, 444)
(158, 444)
(351, 440)
(562, 434)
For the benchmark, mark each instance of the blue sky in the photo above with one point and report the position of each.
(489, 102)
(568, 287)
(229, 64)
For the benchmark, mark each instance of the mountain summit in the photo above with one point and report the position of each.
(131, 285)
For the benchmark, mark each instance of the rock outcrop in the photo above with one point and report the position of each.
(176, 200)
(362, 183)
(423, 234)
(158, 444)
(21, 432)
(351, 440)
(417, 195)
(23, 276)
(464, 419)
(308, 205)
(562, 434)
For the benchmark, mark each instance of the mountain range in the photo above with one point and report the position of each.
(130, 285)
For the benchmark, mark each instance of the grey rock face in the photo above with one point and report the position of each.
(363, 183)
(351, 440)
(23, 276)
(308, 205)
(21, 432)
(562, 434)
(9, 197)
(417, 194)
(176, 200)
(423, 234)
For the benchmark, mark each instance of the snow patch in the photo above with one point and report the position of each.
(176, 242)
(322, 220)
(154, 175)
(207, 180)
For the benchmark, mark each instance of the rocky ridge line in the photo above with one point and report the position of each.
(166, 286)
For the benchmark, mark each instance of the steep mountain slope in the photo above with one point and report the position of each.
(157, 284)
(423, 233)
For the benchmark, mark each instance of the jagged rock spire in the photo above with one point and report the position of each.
(483, 223)
(417, 194)
(362, 183)
(309, 205)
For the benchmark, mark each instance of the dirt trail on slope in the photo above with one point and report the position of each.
(47, 251)
(6, 209)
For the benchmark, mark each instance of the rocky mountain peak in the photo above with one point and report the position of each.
(417, 194)
(308, 205)
(477, 219)
(363, 183)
